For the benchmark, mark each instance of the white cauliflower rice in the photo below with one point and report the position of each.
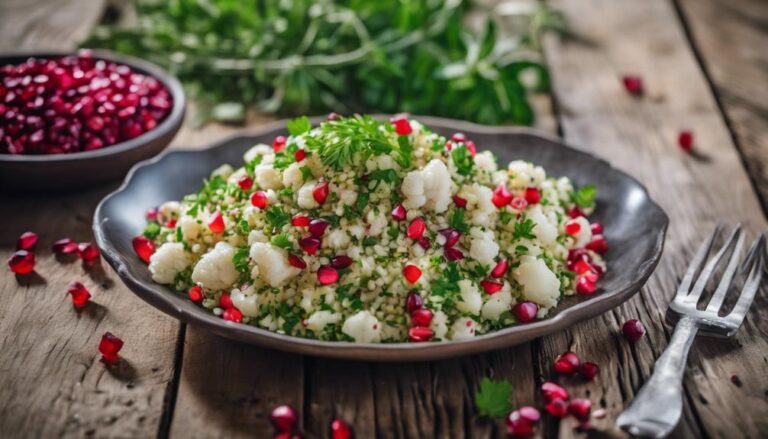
(367, 231)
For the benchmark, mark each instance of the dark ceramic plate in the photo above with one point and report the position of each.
(634, 225)
(68, 171)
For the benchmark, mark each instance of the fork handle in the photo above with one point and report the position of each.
(656, 409)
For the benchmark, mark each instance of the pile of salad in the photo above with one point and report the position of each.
(377, 231)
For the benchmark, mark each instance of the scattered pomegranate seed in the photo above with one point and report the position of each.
(519, 204)
(575, 212)
(233, 315)
(421, 317)
(633, 84)
(519, 426)
(225, 301)
(297, 261)
(471, 147)
(300, 155)
(557, 408)
(327, 275)
(279, 143)
(152, 214)
(399, 213)
(501, 196)
(599, 414)
(333, 116)
(596, 228)
(340, 430)
(633, 329)
(216, 223)
(245, 183)
(567, 363)
(412, 273)
(195, 294)
(685, 140)
(552, 391)
(317, 227)
(424, 242)
(491, 286)
(530, 413)
(736, 380)
(320, 192)
(143, 247)
(532, 195)
(22, 262)
(452, 237)
(416, 228)
(171, 223)
(598, 244)
(300, 221)
(309, 244)
(581, 266)
(284, 418)
(591, 277)
(109, 346)
(585, 286)
(459, 137)
(259, 199)
(341, 261)
(589, 370)
(402, 126)
(413, 301)
(88, 252)
(580, 409)
(27, 241)
(500, 269)
(459, 202)
(420, 333)
(525, 311)
(80, 294)
(453, 254)
(64, 246)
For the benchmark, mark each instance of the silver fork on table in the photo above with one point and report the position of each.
(656, 409)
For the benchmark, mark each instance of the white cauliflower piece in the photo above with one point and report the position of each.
(267, 177)
(292, 177)
(462, 329)
(539, 283)
(439, 325)
(497, 303)
(471, 299)
(305, 198)
(584, 235)
(363, 327)
(377, 221)
(545, 231)
(524, 174)
(413, 189)
(190, 229)
(223, 171)
(256, 236)
(429, 187)
(168, 210)
(337, 239)
(486, 161)
(348, 197)
(318, 320)
(272, 262)
(246, 301)
(216, 270)
(168, 261)
(479, 204)
(483, 248)
(260, 149)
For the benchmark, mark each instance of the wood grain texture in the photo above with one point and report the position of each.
(639, 136)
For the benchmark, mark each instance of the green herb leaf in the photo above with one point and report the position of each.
(240, 259)
(524, 229)
(585, 196)
(462, 159)
(276, 217)
(457, 221)
(493, 398)
(299, 126)
(282, 240)
(151, 230)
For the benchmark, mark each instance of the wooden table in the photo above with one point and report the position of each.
(705, 66)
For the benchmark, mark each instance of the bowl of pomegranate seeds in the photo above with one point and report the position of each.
(382, 239)
(69, 120)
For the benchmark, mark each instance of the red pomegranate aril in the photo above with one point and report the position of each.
(413, 301)
(109, 346)
(216, 223)
(598, 244)
(412, 273)
(633, 84)
(299, 155)
(300, 221)
(64, 246)
(402, 126)
(552, 391)
(279, 143)
(589, 370)
(453, 254)
(317, 227)
(459, 202)
(585, 286)
(575, 212)
(284, 418)
(530, 413)
(143, 247)
(500, 269)
(424, 242)
(309, 244)
(80, 295)
(420, 333)
(416, 228)
(232, 315)
(88, 252)
(519, 204)
(245, 183)
(572, 228)
(27, 241)
(399, 213)
(557, 408)
(171, 223)
(532, 195)
(501, 196)
(333, 116)
(195, 294)
(470, 145)
(327, 275)
(685, 140)
(297, 261)
(320, 192)
(452, 237)
(340, 430)
(519, 426)
(225, 301)
(596, 228)
(491, 287)
(633, 330)
(581, 266)
(341, 261)
(567, 363)
(259, 199)
(421, 317)
(580, 409)
(525, 311)
(152, 214)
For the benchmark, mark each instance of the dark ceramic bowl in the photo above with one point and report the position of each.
(634, 225)
(53, 172)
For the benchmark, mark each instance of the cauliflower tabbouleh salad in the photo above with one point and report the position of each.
(368, 231)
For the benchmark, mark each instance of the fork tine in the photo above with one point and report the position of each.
(725, 282)
(706, 273)
(753, 282)
(697, 262)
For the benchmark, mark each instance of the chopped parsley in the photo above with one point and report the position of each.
(524, 230)
(493, 398)
(276, 217)
(585, 196)
(462, 159)
(457, 221)
(282, 240)
(240, 259)
(151, 230)
(299, 126)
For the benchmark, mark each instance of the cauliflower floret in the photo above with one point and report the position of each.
(305, 198)
(439, 325)
(486, 161)
(223, 171)
(246, 301)
(215, 270)
(497, 303)
(190, 229)
(539, 283)
(260, 149)
(272, 263)
(462, 329)
(168, 261)
(479, 204)
(483, 248)
(348, 197)
(292, 177)
(268, 177)
(545, 231)
(471, 300)
(256, 236)
(524, 174)
(429, 187)
(363, 327)
(413, 189)
(377, 222)
(167, 211)
(337, 239)
(318, 320)
(584, 234)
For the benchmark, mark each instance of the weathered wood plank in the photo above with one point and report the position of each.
(638, 135)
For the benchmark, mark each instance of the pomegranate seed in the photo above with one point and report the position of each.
(453, 254)
(572, 228)
(591, 276)
(575, 212)
(525, 311)
(195, 294)
(109, 346)
(317, 227)
(421, 317)
(232, 315)
(143, 247)
(519, 426)
(320, 193)
(518, 204)
(216, 223)
(327, 275)
(500, 269)
(299, 155)
(333, 116)
(245, 183)
(259, 199)
(459, 202)
(685, 140)
(530, 413)
(491, 287)
(596, 228)
(633, 329)
(80, 294)
(451, 237)
(424, 242)
(501, 196)
(736, 380)
(22, 262)
(225, 301)
(412, 273)
(171, 223)
(580, 409)
(413, 301)
(633, 84)
(471, 147)
(300, 221)
(284, 418)
(152, 214)
(557, 408)
(340, 430)
(341, 261)
(567, 363)
(88, 252)
(458, 137)
(402, 126)
(532, 195)
(589, 370)
(296, 261)
(585, 286)
(552, 391)
(420, 333)
(598, 244)
(399, 213)
(416, 228)
(279, 143)
(27, 241)
(64, 246)
(309, 244)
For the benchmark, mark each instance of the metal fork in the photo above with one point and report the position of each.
(656, 409)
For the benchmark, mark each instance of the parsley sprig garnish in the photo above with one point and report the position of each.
(585, 196)
(524, 230)
(493, 398)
